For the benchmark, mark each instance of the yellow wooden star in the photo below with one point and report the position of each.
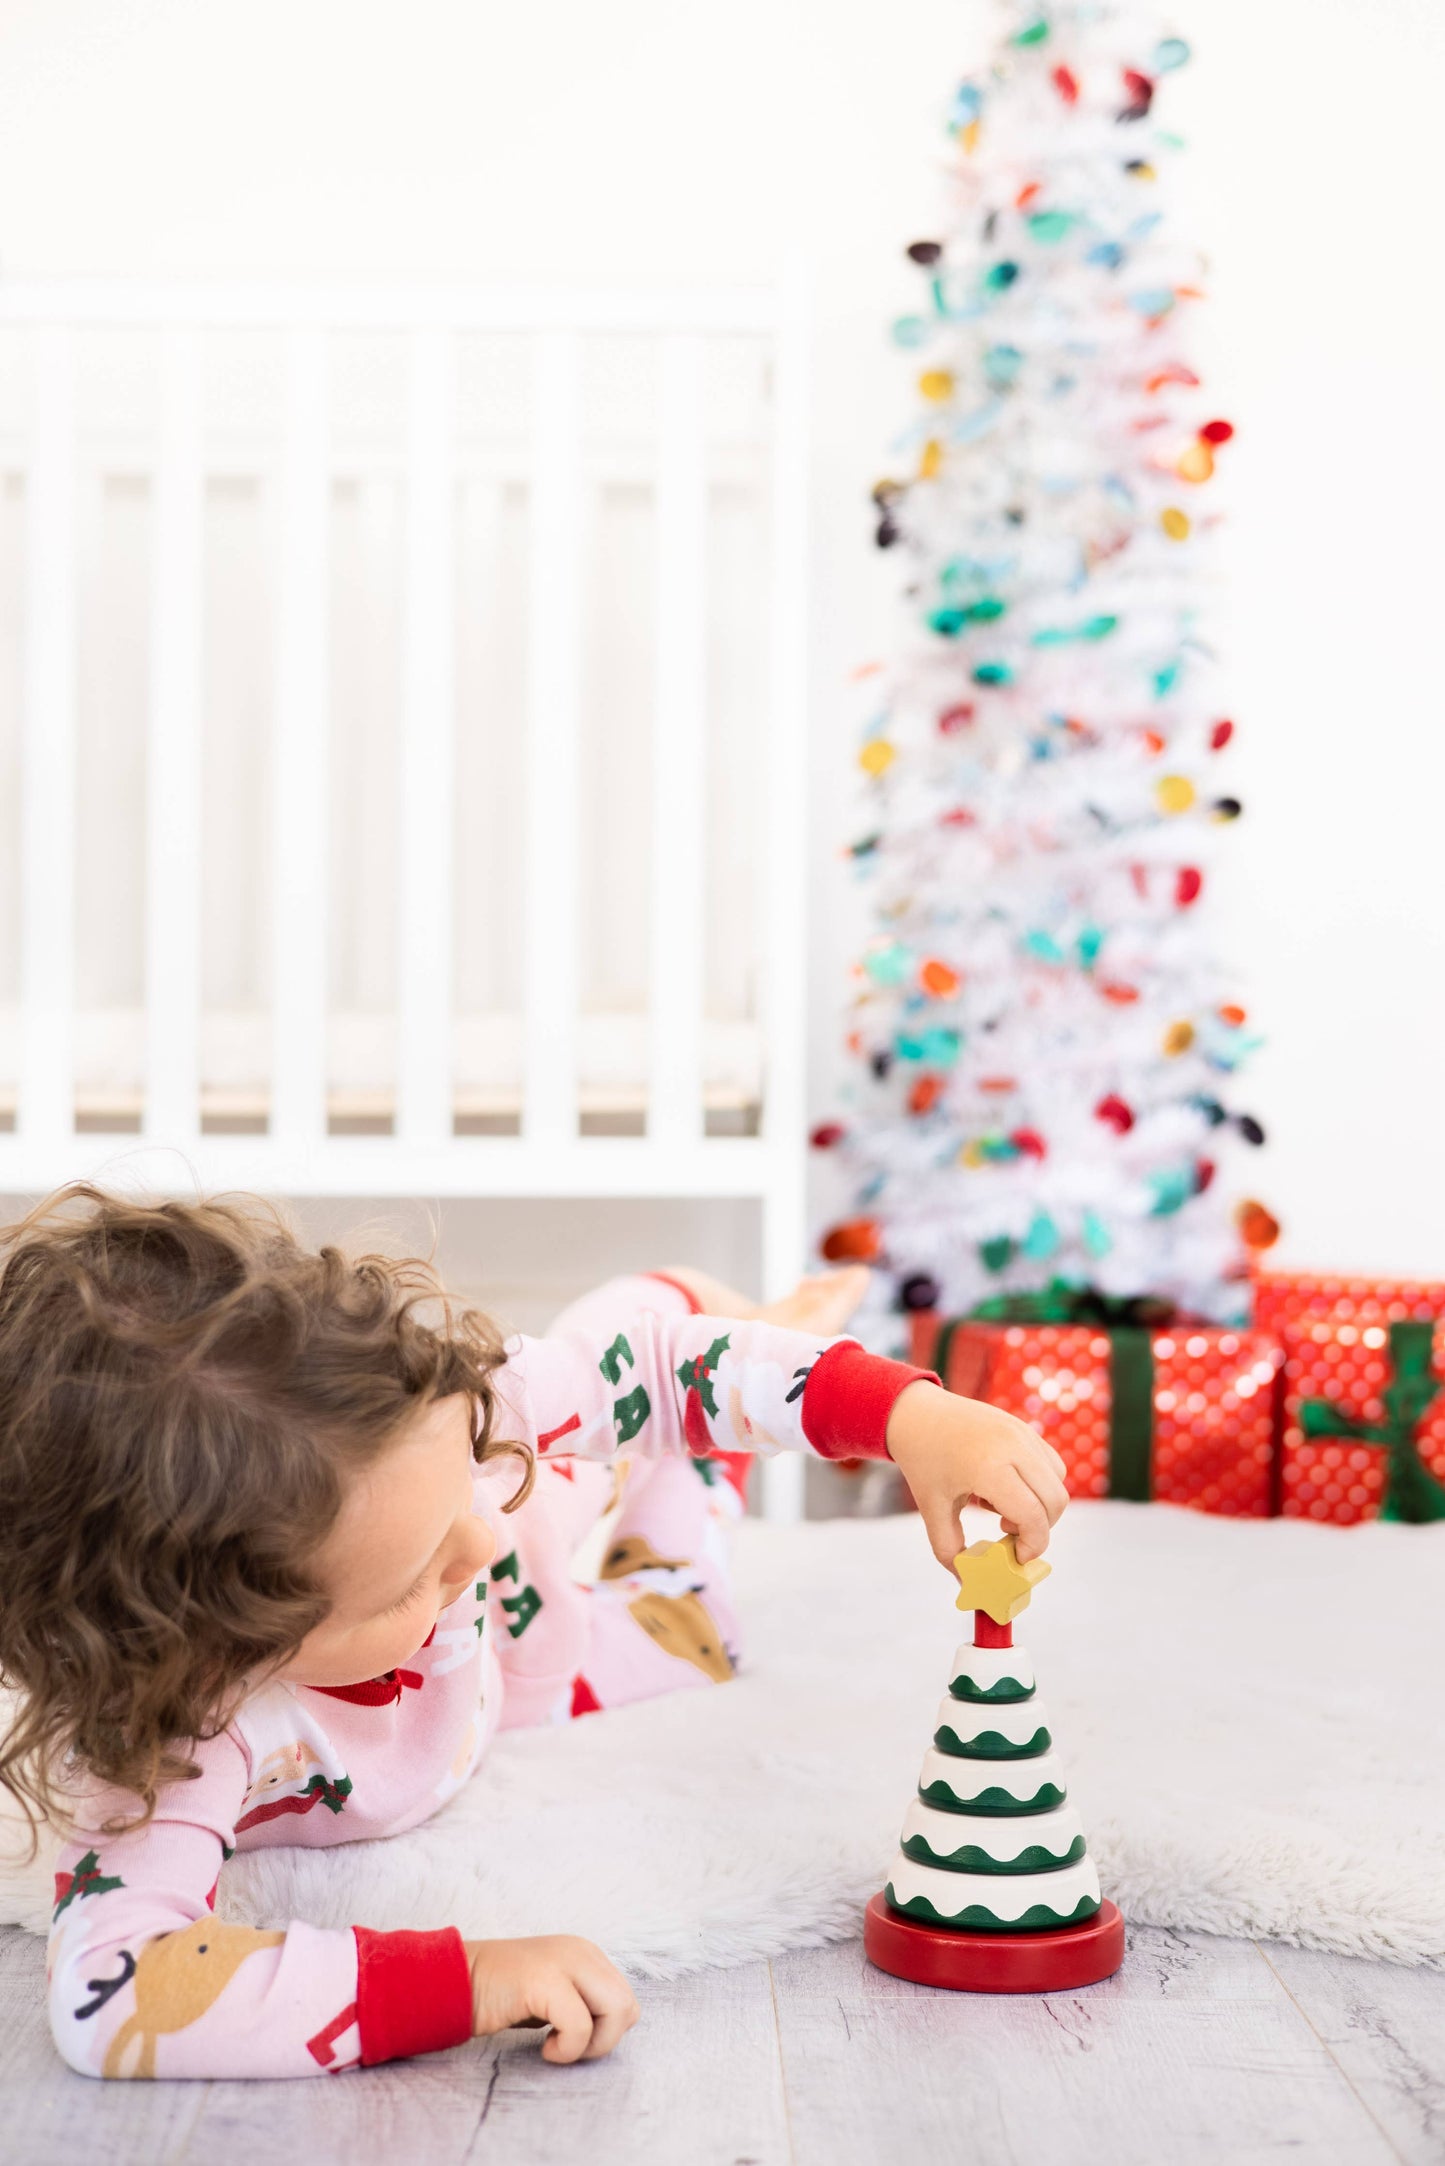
(991, 1578)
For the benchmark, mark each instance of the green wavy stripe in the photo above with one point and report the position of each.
(970, 1859)
(1007, 1688)
(988, 1745)
(992, 1803)
(1038, 1918)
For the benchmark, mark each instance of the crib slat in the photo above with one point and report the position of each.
(784, 784)
(46, 1105)
(173, 756)
(678, 932)
(424, 955)
(298, 763)
(549, 1114)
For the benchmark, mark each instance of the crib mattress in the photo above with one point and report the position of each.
(488, 1063)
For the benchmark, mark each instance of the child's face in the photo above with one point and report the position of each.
(405, 1544)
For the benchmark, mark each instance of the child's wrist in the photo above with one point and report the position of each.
(476, 1952)
(913, 1416)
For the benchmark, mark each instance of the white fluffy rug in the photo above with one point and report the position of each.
(1251, 1716)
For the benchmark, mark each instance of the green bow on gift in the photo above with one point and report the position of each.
(1412, 1493)
(1062, 1302)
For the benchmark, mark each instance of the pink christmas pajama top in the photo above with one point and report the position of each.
(146, 1981)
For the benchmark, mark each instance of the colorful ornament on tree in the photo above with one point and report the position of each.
(856, 1241)
(925, 1094)
(1258, 1228)
(919, 1292)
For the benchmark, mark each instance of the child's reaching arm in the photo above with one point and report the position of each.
(677, 1384)
(704, 1384)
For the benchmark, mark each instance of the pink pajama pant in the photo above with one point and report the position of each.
(660, 1616)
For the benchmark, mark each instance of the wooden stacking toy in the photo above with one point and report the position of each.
(993, 1889)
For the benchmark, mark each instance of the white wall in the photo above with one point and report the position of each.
(609, 138)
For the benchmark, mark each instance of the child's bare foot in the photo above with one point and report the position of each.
(822, 1303)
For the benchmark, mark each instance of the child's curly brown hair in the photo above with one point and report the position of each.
(184, 1391)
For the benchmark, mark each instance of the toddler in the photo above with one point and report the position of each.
(286, 1537)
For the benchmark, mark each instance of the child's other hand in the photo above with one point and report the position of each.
(954, 1451)
(557, 1979)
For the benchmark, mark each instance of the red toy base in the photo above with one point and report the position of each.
(1074, 1955)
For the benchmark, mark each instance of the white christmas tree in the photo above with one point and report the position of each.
(1043, 1040)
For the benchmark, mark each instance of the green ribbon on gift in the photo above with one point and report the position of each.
(1062, 1302)
(1131, 1414)
(1129, 1324)
(1412, 1493)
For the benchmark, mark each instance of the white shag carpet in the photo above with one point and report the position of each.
(1251, 1716)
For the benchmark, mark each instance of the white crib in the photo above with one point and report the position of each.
(402, 760)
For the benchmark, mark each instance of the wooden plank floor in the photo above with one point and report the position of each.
(1201, 2049)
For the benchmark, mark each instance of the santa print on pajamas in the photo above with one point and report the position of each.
(146, 1981)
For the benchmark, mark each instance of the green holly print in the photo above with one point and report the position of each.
(630, 1413)
(87, 1879)
(522, 1606)
(332, 1795)
(611, 1362)
(632, 1410)
(697, 1375)
(481, 1594)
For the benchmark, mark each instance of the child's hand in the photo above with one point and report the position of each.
(554, 1979)
(954, 1451)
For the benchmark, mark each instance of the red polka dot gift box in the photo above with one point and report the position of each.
(1363, 1419)
(1177, 1414)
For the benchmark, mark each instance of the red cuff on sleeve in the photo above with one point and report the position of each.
(413, 1993)
(848, 1398)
